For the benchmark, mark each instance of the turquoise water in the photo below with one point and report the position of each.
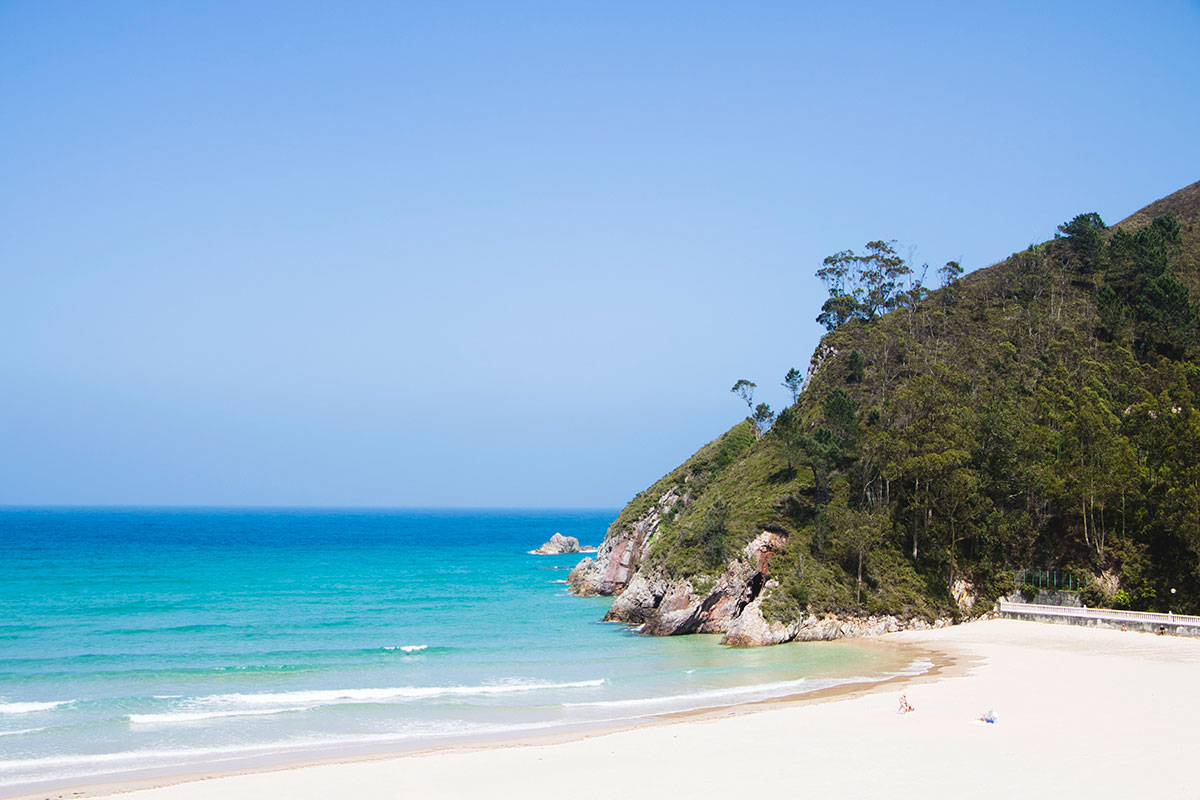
(147, 642)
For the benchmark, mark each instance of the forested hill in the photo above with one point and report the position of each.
(1040, 413)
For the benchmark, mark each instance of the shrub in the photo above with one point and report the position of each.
(1092, 595)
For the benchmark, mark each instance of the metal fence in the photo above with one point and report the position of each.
(1049, 579)
(1148, 617)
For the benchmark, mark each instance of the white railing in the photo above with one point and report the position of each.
(1149, 617)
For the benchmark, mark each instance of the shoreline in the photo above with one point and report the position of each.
(940, 664)
(1105, 713)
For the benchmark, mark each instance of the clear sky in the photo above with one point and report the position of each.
(506, 254)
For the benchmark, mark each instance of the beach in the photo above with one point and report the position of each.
(250, 639)
(1079, 712)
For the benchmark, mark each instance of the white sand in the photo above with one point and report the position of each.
(1082, 713)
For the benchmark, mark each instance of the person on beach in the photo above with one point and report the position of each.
(905, 707)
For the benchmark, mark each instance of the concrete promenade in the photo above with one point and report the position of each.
(1179, 624)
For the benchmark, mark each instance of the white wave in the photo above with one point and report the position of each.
(18, 733)
(329, 696)
(409, 648)
(196, 716)
(27, 708)
(917, 667)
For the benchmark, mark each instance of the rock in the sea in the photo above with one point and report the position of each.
(559, 545)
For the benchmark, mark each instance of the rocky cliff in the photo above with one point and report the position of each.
(646, 595)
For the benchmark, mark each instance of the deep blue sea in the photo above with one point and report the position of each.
(144, 642)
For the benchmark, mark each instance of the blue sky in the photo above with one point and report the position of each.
(459, 254)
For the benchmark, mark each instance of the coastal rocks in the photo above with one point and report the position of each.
(729, 603)
(639, 601)
(665, 607)
(617, 559)
(963, 593)
(561, 545)
(752, 630)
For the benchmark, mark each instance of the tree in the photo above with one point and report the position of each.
(787, 429)
(950, 273)
(822, 453)
(855, 363)
(880, 271)
(745, 390)
(838, 310)
(1166, 313)
(1085, 241)
(1114, 314)
(858, 532)
(793, 382)
(841, 413)
(1142, 286)
(862, 286)
(762, 419)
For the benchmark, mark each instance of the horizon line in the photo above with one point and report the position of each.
(276, 507)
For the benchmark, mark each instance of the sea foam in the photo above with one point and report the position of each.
(197, 716)
(26, 708)
(20, 732)
(320, 697)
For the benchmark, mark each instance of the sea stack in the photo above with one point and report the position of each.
(560, 545)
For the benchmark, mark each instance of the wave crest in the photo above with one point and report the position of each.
(27, 708)
(317, 697)
(196, 716)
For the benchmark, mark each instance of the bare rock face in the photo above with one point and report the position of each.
(559, 545)
(617, 559)
(639, 601)
(665, 607)
(963, 593)
(751, 629)
(731, 604)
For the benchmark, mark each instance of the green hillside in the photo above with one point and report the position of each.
(1039, 413)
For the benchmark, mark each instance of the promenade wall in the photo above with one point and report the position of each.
(1176, 624)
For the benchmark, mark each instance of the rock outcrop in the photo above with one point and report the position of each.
(731, 604)
(617, 558)
(751, 629)
(561, 545)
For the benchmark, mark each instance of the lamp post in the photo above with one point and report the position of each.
(1171, 609)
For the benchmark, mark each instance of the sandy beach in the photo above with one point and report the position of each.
(1080, 711)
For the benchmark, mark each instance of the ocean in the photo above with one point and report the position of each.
(145, 642)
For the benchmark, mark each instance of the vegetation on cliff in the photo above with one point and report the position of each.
(1042, 412)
